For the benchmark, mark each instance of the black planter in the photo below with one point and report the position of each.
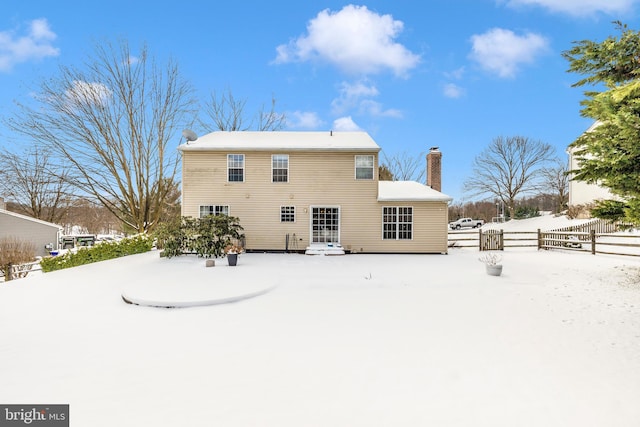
(233, 259)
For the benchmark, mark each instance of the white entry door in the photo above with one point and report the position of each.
(325, 224)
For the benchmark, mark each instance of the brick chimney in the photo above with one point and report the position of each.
(434, 169)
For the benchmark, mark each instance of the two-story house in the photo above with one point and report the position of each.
(292, 190)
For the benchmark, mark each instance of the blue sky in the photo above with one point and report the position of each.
(413, 74)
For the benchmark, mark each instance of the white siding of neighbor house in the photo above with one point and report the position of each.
(40, 233)
(582, 193)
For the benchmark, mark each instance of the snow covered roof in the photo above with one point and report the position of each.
(28, 218)
(289, 141)
(409, 191)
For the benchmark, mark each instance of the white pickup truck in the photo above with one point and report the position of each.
(466, 223)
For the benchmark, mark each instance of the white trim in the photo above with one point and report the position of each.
(244, 167)
(295, 219)
(312, 207)
(214, 209)
(355, 167)
(397, 231)
(272, 168)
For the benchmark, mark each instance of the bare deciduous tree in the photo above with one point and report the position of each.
(87, 217)
(556, 180)
(406, 167)
(384, 174)
(36, 185)
(508, 168)
(228, 114)
(112, 121)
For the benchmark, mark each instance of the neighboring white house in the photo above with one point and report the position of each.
(580, 192)
(38, 232)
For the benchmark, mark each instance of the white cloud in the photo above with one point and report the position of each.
(83, 93)
(303, 120)
(578, 7)
(374, 108)
(350, 95)
(35, 45)
(358, 89)
(455, 74)
(502, 52)
(345, 124)
(354, 39)
(452, 90)
(358, 96)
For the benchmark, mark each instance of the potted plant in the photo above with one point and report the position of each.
(492, 263)
(232, 251)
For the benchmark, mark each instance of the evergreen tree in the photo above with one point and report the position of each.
(609, 154)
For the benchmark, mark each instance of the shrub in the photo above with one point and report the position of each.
(206, 237)
(580, 211)
(14, 251)
(100, 252)
(523, 212)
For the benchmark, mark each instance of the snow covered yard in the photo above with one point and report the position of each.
(356, 340)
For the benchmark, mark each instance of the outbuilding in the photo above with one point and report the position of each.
(44, 235)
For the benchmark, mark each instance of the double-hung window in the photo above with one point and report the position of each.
(364, 167)
(397, 223)
(235, 167)
(280, 168)
(206, 210)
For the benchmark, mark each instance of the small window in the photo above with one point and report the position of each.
(280, 168)
(287, 214)
(235, 167)
(397, 223)
(364, 167)
(207, 210)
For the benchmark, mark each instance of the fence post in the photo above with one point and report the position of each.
(9, 272)
(539, 239)
(480, 239)
(501, 242)
(593, 242)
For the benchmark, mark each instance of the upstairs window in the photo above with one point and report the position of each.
(235, 167)
(364, 167)
(206, 210)
(280, 168)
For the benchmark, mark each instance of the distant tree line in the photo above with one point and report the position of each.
(495, 211)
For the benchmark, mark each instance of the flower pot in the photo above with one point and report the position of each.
(233, 259)
(494, 270)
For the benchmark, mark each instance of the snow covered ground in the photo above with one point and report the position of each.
(355, 340)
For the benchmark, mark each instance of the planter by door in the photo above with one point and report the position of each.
(494, 270)
(233, 259)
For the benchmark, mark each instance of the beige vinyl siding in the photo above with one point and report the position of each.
(430, 232)
(315, 179)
